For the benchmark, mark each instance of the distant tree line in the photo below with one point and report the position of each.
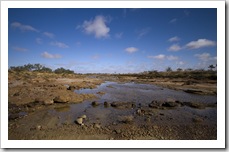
(39, 68)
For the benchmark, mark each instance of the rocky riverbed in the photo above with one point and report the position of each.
(49, 106)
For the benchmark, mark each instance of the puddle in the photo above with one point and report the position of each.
(139, 94)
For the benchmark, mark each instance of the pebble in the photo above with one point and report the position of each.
(38, 127)
(95, 103)
(118, 131)
(97, 126)
(79, 121)
(84, 116)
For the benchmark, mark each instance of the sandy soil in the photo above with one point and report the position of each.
(33, 95)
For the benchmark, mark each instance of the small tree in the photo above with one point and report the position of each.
(179, 69)
(211, 67)
(169, 69)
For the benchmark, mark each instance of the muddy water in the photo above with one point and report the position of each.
(140, 94)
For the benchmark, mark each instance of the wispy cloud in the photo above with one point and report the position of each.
(118, 35)
(59, 44)
(171, 57)
(180, 62)
(20, 49)
(23, 27)
(50, 56)
(187, 13)
(131, 49)
(143, 32)
(200, 43)
(174, 47)
(205, 60)
(97, 27)
(174, 20)
(38, 40)
(160, 57)
(174, 39)
(49, 35)
(205, 57)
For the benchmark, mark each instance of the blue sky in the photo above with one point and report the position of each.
(113, 40)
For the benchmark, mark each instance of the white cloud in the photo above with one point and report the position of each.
(131, 49)
(48, 34)
(174, 39)
(174, 47)
(118, 35)
(160, 57)
(50, 56)
(200, 43)
(171, 57)
(205, 60)
(204, 57)
(97, 27)
(20, 49)
(143, 32)
(180, 62)
(173, 20)
(38, 40)
(59, 44)
(23, 27)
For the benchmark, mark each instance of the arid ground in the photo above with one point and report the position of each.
(103, 106)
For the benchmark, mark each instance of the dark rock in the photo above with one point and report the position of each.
(118, 131)
(97, 126)
(16, 94)
(197, 120)
(193, 91)
(61, 99)
(106, 104)
(95, 103)
(170, 104)
(100, 93)
(72, 88)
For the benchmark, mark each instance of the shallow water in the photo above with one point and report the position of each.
(138, 93)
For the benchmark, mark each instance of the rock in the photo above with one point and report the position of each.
(16, 94)
(126, 119)
(39, 100)
(197, 119)
(170, 104)
(48, 102)
(38, 127)
(106, 104)
(140, 112)
(100, 93)
(155, 104)
(84, 116)
(194, 105)
(72, 88)
(61, 99)
(118, 131)
(79, 121)
(95, 103)
(195, 91)
(97, 126)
